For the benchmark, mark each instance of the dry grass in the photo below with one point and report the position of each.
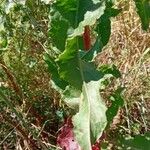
(129, 50)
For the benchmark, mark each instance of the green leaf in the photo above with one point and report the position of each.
(71, 97)
(58, 83)
(58, 30)
(143, 9)
(83, 76)
(104, 25)
(139, 142)
(116, 102)
(76, 68)
(90, 18)
(74, 10)
(90, 121)
(110, 69)
(70, 66)
(73, 15)
(104, 29)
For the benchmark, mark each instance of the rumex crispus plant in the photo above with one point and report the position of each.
(74, 74)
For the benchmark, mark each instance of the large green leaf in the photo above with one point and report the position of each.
(143, 9)
(74, 10)
(84, 76)
(58, 30)
(78, 70)
(90, 122)
(70, 65)
(55, 78)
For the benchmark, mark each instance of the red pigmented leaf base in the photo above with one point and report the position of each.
(96, 146)
(87, 38)
(66, 139)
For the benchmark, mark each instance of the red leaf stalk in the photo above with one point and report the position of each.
(87, 38)
(66, 139)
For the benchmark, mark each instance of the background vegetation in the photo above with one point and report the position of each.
(31, 111)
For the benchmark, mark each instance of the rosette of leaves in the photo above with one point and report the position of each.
(73, 71)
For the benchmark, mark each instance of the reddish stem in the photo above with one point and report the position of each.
(87, 38)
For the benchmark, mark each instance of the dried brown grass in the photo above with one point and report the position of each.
(129, 50)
